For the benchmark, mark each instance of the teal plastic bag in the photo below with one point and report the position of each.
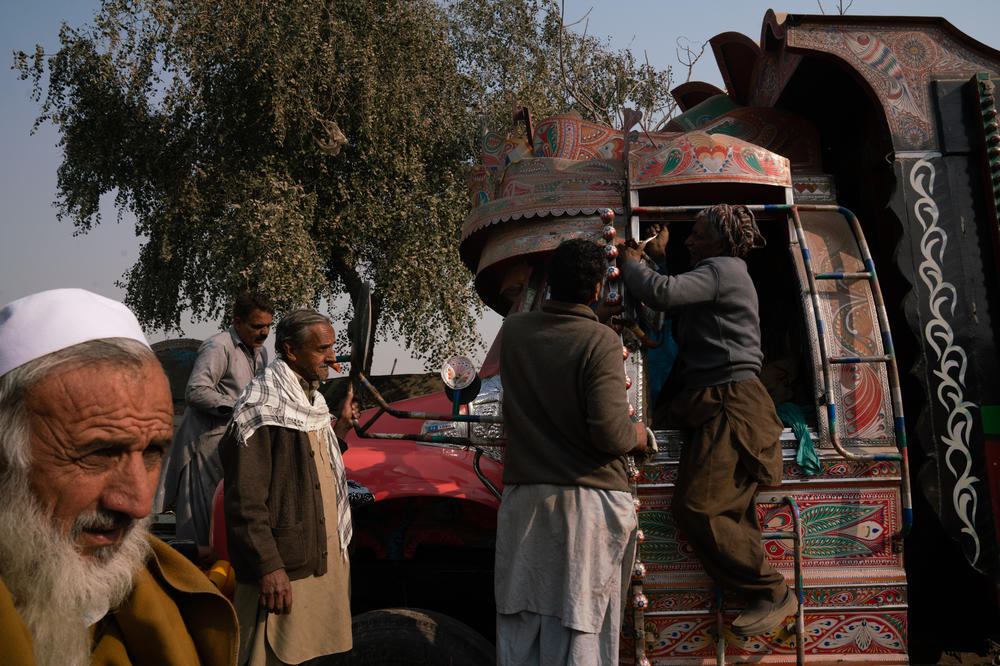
(791, 415)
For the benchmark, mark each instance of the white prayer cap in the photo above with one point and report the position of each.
(48, 321)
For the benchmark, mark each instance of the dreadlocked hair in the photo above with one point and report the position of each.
(736, 226)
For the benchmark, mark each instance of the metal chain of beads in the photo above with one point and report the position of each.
(614, 297)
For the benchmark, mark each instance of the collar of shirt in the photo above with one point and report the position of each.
(253, 353)
(238, 342)
(563, 307)
(309, 388)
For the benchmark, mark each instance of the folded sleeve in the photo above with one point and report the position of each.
(202, 390)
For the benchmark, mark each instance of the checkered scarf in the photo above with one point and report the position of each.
(276, 398)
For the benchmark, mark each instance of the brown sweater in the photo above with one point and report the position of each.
(273, 505)
(565, 408)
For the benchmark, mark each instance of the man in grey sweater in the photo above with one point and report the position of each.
(567, 524)
(225, 364)
(734, 431)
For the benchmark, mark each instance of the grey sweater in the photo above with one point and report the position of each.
(565, 408)
(716, 323)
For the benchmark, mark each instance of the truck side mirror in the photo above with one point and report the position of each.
(461, 381)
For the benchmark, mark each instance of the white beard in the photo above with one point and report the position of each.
(57, 592)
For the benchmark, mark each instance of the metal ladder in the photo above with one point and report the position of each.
(888, 358)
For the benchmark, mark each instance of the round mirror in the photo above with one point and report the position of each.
(460, 377)
(458, 372)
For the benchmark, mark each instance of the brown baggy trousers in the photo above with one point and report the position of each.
(733, 444)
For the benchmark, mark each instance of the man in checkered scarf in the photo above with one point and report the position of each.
(288, 520)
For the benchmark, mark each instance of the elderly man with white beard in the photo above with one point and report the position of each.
(85, 418)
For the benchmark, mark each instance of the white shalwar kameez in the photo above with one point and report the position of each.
(564, 557)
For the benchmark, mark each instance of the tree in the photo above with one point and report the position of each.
(523, 53)
(300, 148)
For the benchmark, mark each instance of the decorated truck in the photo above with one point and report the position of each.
(869, 150)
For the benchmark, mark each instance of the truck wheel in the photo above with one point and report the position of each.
(409, 636)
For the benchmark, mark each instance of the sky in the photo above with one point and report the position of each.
(39, 252)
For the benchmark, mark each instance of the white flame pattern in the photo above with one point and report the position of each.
(951, 358)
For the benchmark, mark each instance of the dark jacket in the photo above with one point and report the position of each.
(564, 402)
(273, 505)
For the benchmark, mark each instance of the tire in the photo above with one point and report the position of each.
(412, 637)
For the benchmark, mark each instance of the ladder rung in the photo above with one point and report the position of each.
(679, 613)
(859, 359)
(778, 535)
(843, 276)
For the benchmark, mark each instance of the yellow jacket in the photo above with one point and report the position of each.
(174, 617)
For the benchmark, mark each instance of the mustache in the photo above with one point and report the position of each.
(102, 520)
